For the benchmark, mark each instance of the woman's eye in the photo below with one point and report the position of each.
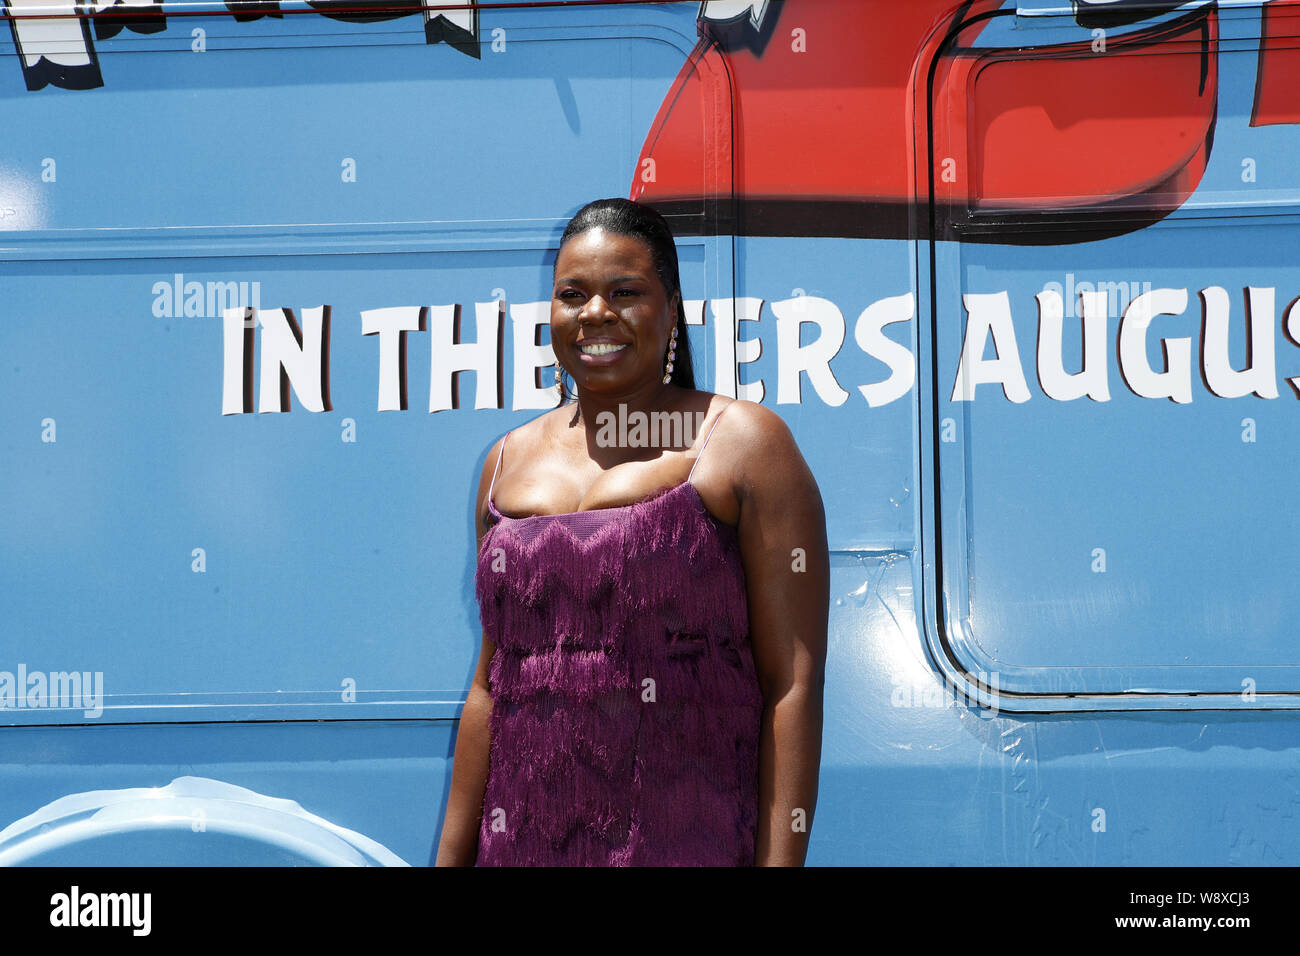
(627, 292)
(569, 294)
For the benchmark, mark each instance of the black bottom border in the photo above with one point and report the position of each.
(981, 904)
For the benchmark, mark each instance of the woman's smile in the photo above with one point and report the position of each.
(600, 351)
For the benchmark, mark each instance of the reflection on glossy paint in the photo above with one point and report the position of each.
(22, 201)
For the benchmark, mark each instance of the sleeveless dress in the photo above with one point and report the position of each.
(626, 706)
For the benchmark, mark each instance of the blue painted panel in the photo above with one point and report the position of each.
(915, 772)
(1119, 543)
(258, 127)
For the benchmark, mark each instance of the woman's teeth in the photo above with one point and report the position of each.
(601, 348)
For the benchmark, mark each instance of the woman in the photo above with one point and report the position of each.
(649, 689)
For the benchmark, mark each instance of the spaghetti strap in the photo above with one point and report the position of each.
(497, 469)
(707, 437)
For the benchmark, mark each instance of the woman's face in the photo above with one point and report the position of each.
(611, 317)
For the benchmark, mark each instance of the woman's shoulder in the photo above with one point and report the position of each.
(749, 455)
(518, 439)
(755, 439)
(742, 418)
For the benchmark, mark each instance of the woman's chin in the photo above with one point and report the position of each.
(604, 381)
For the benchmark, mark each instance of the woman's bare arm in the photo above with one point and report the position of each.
(782, 530)
(469, 770)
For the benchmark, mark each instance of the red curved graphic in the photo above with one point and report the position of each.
(1109, 139)
(1279, 65)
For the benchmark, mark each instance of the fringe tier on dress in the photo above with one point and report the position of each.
(626, 708)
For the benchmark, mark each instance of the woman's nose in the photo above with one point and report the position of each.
(597, 307)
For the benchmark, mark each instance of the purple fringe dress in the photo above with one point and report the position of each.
(626, 706)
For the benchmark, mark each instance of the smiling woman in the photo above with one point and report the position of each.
(649, 688)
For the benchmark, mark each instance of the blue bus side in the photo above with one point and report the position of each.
(1059, 628)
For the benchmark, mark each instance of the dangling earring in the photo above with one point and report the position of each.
(559, 382)
(672, 353)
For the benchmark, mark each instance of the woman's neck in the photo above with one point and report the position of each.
(594, 408)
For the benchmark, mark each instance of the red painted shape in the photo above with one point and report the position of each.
(1029, 130)
(806, 122)
(1278, 77)
(689, 145)
(1068, 126)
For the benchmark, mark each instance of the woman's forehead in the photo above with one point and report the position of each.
(597, 250)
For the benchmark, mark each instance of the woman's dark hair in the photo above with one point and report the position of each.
(627, 218)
